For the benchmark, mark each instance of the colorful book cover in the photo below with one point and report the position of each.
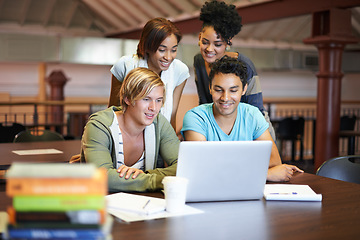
(80, 217)
(43, 233)
(104, 232)
(53, 225)
(58, 202)
(97, 184)
(50, 170)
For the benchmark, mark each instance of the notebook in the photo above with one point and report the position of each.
(225, 170)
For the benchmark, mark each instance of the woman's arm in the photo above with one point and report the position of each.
(114, 92)
(176, 100)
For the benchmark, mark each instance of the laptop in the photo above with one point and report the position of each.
(224, 170)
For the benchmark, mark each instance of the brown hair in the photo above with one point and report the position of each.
(154, 33)
(138, 83)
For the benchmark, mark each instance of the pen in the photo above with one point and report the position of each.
(146, 204)
(292, 193)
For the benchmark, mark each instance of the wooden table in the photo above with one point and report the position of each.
(68, 148)
(336, 217)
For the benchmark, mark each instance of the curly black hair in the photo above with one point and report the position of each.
(229, 65)
(222, 17)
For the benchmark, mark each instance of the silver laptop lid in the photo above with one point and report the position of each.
(223, 171)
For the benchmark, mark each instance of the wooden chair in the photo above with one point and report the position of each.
(9, 130)
(38, 136)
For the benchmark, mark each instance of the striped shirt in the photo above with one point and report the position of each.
(119, 147)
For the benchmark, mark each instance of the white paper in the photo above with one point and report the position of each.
(290, 192)
(135, 203)
(37, 151)
(129, 207)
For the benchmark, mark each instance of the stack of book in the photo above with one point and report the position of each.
(57, 201)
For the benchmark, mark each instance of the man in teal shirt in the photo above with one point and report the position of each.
(226, 119)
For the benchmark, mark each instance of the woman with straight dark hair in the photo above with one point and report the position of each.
(157, 51)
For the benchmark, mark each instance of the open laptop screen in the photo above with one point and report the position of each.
(223, 171)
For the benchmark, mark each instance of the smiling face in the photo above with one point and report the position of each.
(212, 46)
(166, 53)
(144, 110)
(226, 91)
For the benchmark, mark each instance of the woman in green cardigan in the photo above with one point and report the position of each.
(127, 140)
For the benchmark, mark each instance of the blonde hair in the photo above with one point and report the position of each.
(138, 83)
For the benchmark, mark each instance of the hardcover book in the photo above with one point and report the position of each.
(80, 217)
(93, 185)
(50, 170)
(58, 202)
(104, 232)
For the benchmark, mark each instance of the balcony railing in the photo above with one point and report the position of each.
(70, 121)
(75, 114)
(279, 109)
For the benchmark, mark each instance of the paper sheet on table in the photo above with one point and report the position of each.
(37, 151)
(130, 207)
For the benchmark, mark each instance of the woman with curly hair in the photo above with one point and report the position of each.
(221, 22)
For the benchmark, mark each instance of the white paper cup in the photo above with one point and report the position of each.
(175, 193)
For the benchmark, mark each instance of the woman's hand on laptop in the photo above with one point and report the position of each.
(126, 171)
(282, 173)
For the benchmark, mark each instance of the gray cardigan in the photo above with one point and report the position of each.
(97, 146)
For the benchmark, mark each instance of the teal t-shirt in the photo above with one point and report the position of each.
(249, 124)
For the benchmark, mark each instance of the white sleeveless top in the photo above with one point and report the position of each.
(176, 74)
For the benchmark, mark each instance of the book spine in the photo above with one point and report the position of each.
(53, 186)
(55, 233)
(85, 217)
(53, 225)
(58, 203)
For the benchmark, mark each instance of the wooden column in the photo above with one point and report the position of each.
(331, 31)
(57, 81)
(42, 84)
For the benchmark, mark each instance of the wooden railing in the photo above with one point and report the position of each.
(73, 115)
(279, 109)
(38, 114)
